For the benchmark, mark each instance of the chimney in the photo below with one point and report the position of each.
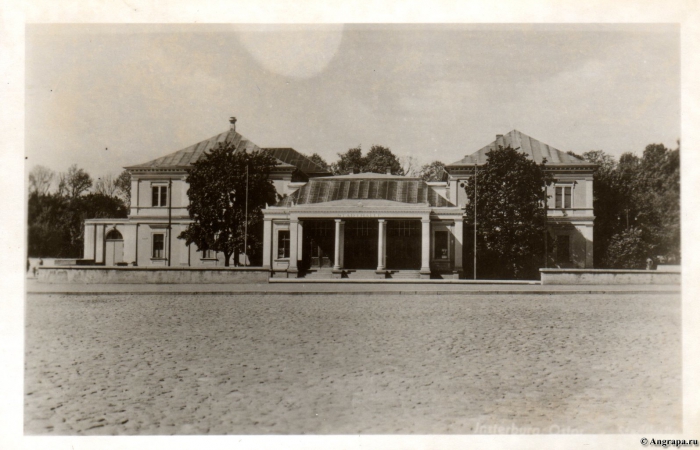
(232, 121)
(388, 171)
(499, 140)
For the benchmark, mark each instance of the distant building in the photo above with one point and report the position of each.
(357, 225)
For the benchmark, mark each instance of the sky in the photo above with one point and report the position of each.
(108, 96)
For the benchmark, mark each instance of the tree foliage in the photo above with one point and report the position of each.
(379, 159)
(319, 161)
(217, 197)
(636, 202)
(56, 223)
(40, 179)
(434, 171)
(510, 215)
(123, 185)
(74, 182)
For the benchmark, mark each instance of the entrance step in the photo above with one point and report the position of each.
(404, 274)
(319, 274)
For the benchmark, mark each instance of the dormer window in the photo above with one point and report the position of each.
(159, 195)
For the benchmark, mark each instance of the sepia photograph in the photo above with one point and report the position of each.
(395, 230)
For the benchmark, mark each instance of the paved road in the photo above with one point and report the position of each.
(346, 364)
(34, 286)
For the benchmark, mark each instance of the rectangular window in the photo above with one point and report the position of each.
(159, 195)
(562, 197)
(159, 246)
(441, 250)
(208, 254)
(563, 255)
(283, 244)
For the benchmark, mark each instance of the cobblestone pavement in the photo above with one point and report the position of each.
(347, 364)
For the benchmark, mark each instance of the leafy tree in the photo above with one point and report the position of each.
(123, 185)
(641, 194)
(511, 217)
(74, 182)
(349, 162)
(607, 199)
(379, 159)
(40, 179)
(628, 249)
(217, 197)
(318, 159)
(106, 185)
(434, 171)
(56, 223)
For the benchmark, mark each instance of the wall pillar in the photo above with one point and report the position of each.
(267, 244)
(458, 232)
(129, 235)
(100, 244)
(293, 246)
(89, 242)
(425, 248)
(381, 247)
(338, 255)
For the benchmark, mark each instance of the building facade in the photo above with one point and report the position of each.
(364, 225)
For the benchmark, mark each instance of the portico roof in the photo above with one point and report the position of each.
(383, 187)
(532, 148)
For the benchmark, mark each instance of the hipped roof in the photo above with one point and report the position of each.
(183, 159)
(532, 148)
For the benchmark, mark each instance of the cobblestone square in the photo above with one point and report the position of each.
(347, 364)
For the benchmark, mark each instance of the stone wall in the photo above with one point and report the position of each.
(605, 276)
(134, 275)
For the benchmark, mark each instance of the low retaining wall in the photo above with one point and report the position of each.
(156, 275)
(605, 276)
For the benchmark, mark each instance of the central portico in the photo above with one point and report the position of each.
(364, 225)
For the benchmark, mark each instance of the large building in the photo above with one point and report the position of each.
(357, 226)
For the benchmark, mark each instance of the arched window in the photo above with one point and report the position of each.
(114, 235)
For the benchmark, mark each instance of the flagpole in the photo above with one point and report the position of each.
(475, 167)
(245, 238)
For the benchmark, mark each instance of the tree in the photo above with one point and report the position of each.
(511, 217)
(379, 159)
(106, 185)
(319, 161)
(349, 162)
(409, 165)
(40, 179)
(628, 249)
(123, 185)
(74, 182)
(434, 171)
(217, 197)
(607, 199)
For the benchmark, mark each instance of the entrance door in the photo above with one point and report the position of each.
(361, 244)
(114, 248)
(403, 245)
(319, 239)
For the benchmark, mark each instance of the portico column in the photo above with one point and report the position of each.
(339, 244)
(459, 238)
(425, 249)
(293, 244)
(267, 244)
(381, 247)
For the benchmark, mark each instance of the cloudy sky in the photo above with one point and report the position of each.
(106, 96)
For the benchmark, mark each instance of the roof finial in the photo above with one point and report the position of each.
(232, 120)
